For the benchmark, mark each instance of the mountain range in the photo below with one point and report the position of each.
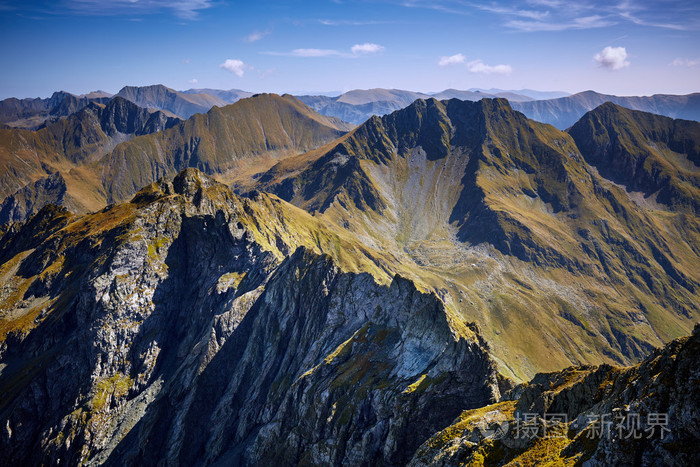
(105, 153)
(565, 111)
(265, 285)
(32, 113)
(431, 182)
(557, 108)
(358, 105)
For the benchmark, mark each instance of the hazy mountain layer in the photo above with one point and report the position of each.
(359, 105)
(505, 219)
(32, 113)
(230, 95)
(159, 97)
(565, 111)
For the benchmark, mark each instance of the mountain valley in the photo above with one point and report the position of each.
(262, 284)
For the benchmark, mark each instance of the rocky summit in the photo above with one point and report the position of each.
(168, 328)
(646, 414)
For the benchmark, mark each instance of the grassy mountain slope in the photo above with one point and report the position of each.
(503, 217)
(644, 152)
(247, 135)
(100, 160)
(72, 142)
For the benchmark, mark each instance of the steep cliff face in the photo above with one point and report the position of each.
(30, 199)
(642, 415)
(173, 328)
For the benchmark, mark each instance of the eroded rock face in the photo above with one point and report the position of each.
(641, 415)
(164, 331)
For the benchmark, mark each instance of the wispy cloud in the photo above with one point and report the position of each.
(532, 14)
(641, 22)
(561, 15)
(584, 22)
(451, 7)
(314, 52)
(612, 58)
(193, 81)
(452, 60)
(237, 67)
(366, 48)
(356, 50)
(686, 62)
(333, 22)
(474, 66)
(185, 9)
(256, 36)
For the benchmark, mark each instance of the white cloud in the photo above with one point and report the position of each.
(193, 81)
(612, 58)
(256, 36)
(477, 66)
(356, 51)
(236, 67)
(686, 62)
(366, 48)
(452, 60)
(314, 52)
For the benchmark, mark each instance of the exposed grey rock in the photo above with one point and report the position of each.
(175, 337)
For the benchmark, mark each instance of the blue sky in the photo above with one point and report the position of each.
(624, 48)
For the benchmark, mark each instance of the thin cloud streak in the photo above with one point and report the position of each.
(686, 62)
(356, 51)
(184, 9)
(558, 15)
(256, 36)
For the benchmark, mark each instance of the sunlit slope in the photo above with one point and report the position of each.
(503, 217)
(229, 138)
